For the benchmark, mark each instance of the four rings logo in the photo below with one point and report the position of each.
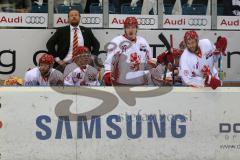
(90, 20)
(146, 21)
(197, 22)
(35, 20)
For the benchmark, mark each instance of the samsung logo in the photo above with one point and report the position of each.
(112, 127)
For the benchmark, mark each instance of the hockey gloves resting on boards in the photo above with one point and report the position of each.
(168, 57)
(210, 81)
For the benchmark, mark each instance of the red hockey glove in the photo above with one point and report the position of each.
(221, 46)
(210, 80)
(165, 57)
(169, 57)
(213, 82)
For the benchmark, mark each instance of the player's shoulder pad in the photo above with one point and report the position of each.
(205, 40)
(72, 66)
(69, 68)
(91, 67)
(206, 45)
(117, 39)
(32, 72)
(184, 59)
(185, 54)
(142, 39)
(57, 72)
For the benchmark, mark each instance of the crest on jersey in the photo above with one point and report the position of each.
(135, 61)
(125, 45)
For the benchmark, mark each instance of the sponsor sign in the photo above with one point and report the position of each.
(187, 22)
(87, 20)
(23, 20)
(228, 22)
(144, 21)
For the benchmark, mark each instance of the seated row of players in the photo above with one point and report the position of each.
(129, 62)
(77, 73)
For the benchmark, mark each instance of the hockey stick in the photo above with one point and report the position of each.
(220, 71)
(220, 65)
(173, 65)
(166, 43)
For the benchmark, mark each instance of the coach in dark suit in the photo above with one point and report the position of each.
(65, 40)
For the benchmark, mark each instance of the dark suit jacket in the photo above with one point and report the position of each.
(61, 39)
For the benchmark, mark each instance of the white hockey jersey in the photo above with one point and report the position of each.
(128, 59)
(76, 76)
(191, 64)
(33, 78)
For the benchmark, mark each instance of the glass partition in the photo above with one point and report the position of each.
(133, 7)
(187, 7)
(90, 10)
(228, 7)
(187, 14)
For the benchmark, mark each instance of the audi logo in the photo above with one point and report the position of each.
(197, 22)
(146, 21)
(90, 20)
(35, 20)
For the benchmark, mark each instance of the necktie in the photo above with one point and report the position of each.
(75, 40)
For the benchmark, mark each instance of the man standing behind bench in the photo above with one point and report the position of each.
(67, 39)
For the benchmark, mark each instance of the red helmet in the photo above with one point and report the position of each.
(46, 59)
(190, 35)
(80, 50)
(131, 21)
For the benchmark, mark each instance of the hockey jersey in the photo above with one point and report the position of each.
(128, 60)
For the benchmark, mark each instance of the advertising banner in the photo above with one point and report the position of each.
(228, 22)
(23, 19)
(87, 20)
(144, 21)
(187, 22)
(123, 123)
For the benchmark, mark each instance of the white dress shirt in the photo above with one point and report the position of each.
(68, 58)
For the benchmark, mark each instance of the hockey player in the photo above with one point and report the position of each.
(126, 62)
(80, 73)
(197, 61)
(44, 74)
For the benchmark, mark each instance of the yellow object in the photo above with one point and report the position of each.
(13, 81)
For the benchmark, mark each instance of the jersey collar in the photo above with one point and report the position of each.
(134, 40)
